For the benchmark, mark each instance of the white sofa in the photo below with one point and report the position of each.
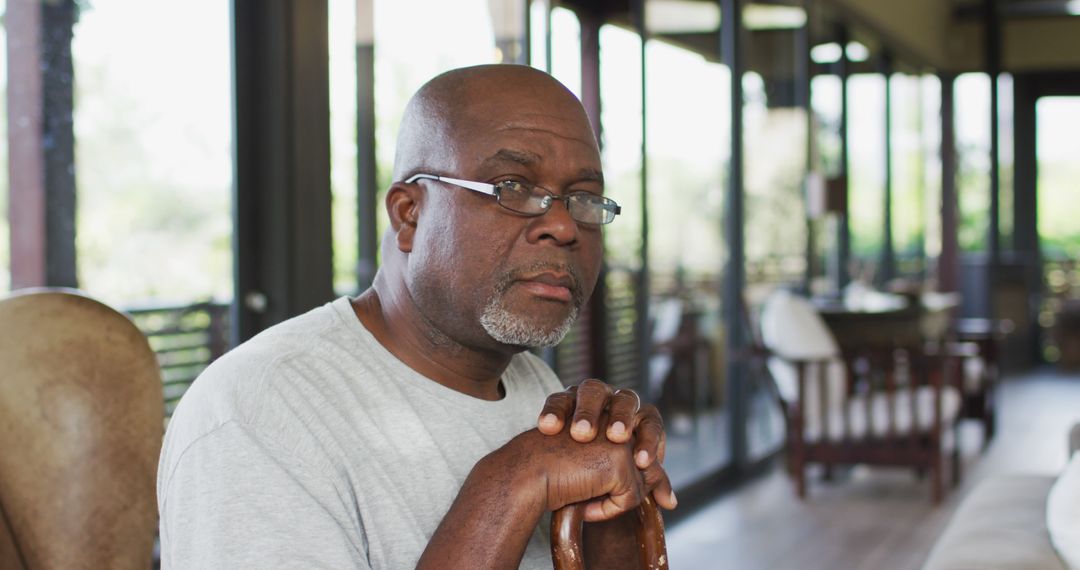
(1001, 525)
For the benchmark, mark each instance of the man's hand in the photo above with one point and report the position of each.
(507, 492)
(597, 406)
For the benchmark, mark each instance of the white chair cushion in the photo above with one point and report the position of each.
(903, 421)
(974, 373)
(1063, 513)
(792, 328)
(786, 377)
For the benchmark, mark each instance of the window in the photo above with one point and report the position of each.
(687, 124)
(774, 135)
(344, 40)
(1057, 121)
(621, 120)
(153, 158)
(908, 178)
(973, 159)
(826, 103)
(866, 170)
(775, 131)
(930, 87)
(457, 34)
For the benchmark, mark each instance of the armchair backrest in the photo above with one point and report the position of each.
(81, 421)
(792, 329)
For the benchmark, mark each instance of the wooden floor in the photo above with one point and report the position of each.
(876, 518)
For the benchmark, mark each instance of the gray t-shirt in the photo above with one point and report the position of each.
(311, 446)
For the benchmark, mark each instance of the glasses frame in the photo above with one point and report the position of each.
(491, 190)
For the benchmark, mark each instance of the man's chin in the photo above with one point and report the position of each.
(526, 330)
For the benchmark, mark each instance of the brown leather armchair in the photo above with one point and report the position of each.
(80, 432)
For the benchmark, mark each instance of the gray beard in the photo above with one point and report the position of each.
(508, 328)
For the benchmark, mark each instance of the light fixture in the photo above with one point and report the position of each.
(826, 53)
(773, 17)
(681, 16)
(857, 52)
(1073, 7)
(830, 52)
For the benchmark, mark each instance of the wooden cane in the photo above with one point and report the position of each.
(566, 537)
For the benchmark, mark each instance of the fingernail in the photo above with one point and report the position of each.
(549, 421)
(642, 458)
(582, 426)
(618, 429)
(674, 501)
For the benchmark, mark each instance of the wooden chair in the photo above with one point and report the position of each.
(879, 407)
(981, 372)
(80, 429)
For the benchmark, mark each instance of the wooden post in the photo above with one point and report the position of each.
(367, 167)
(590, 99)
(282, 242)
(949, 260)
(41, 147)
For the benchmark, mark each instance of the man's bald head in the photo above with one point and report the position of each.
(469, 269)
(470, 101)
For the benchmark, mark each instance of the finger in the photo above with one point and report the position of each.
(622, 407)
(613, 505)
(649, 434)
(592, 399)
(557, 408)
(658, 483)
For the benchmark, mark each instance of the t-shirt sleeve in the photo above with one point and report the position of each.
(236, 501)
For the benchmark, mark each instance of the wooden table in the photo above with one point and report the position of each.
(921, 319)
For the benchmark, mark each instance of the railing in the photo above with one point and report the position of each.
(186, 338)
(1057, 313)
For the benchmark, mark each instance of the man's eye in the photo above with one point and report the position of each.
(584, 197)
(511, 186)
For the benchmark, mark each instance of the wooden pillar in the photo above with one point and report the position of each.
(41, 143)
(1025, 210)
(888, 255)
(993, 69)
(281, 208)
(367, 168)
(802, 99)
(642, 282)
(949, 261)
(843, 228)
(590, 99)
(731, 45)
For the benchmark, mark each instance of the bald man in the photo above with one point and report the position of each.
(409, 427)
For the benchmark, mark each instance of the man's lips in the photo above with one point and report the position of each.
(555, 286)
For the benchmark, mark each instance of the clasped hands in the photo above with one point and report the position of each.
(593, 407)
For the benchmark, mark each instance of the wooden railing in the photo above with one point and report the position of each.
(1057, 313)
(186, 338)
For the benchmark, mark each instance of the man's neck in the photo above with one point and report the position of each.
(396, 324)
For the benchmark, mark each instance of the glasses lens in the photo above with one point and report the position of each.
(589, 208)
(521, 198)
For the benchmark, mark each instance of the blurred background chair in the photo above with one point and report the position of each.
(81, 421)
(880, 406)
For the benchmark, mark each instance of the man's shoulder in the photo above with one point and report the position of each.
(243, 383)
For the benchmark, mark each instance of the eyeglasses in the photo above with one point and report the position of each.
(530, 200)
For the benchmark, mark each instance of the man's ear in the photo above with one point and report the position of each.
(403, 205)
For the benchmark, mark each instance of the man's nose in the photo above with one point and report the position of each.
(556, 224)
